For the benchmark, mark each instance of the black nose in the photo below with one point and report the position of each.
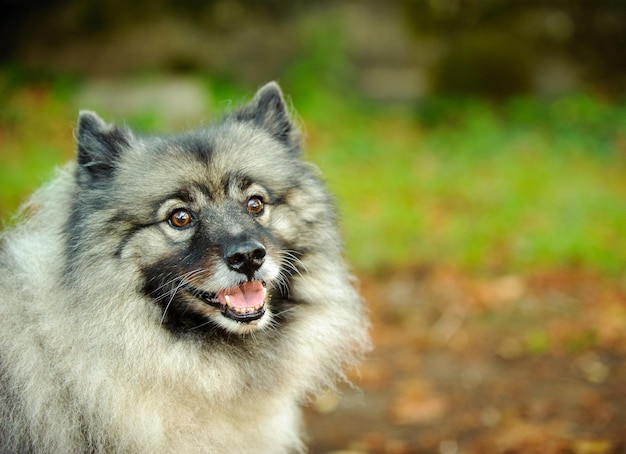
(245, 257)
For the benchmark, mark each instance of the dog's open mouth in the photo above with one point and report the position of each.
(244, 303)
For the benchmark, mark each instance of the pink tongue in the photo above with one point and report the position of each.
(250, 294)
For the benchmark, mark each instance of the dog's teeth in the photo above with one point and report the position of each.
(227, 299)
(264, 294)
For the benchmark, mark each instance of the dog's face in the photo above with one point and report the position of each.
(216, 222)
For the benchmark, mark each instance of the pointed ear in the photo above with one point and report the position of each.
(99, 146)
(268, 110)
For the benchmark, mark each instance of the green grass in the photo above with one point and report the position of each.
(35, 135)
(465, 183)
(482, 188)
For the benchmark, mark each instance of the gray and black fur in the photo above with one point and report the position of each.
(180, 293)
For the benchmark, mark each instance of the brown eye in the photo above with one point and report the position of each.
(180, 218)
(255, 205)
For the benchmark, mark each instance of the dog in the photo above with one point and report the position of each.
(176, 293)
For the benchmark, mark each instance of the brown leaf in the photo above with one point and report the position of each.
(417, 403)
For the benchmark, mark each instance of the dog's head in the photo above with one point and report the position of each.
(217, 223)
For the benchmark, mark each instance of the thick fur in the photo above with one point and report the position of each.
(106, 343)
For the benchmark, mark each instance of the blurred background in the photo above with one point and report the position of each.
(477, 150)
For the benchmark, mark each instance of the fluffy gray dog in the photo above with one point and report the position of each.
(175, 293)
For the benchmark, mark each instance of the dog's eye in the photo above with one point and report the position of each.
(255, 205)
(180, 218)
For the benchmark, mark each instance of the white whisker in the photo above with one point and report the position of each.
(180, 282)
(290, 258)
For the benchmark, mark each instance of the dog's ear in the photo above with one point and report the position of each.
(268, 110)
(99, 146)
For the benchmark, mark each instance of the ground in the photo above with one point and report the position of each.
(466, 364)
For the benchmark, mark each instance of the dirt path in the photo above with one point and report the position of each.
(485, 365)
